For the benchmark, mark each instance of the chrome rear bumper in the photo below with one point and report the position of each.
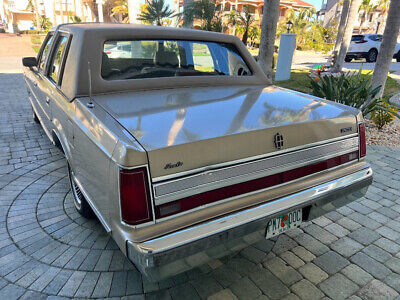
(187, 248)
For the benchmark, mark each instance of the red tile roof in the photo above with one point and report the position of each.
(302, 3)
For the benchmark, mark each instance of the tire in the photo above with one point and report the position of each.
(372, 55)
(35, 117)
(348, 59)
(81, 205)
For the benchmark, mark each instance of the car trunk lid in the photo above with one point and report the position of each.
(190, 134)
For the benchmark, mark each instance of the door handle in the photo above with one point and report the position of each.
(47, 100)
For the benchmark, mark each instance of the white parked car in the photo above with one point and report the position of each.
(122, 49)
(367, 46)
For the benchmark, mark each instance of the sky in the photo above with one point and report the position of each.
(316, 3)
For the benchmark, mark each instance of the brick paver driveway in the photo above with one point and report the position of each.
(47, 249)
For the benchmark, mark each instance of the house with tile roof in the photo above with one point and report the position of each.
(255, 8)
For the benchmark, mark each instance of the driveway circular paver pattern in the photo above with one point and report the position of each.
(47, 250)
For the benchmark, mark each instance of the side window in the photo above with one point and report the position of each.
(45, 52)
(57, 57)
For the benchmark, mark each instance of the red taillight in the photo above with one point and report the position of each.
(108, 52)
(361, 138)
(135, 196)
(361, 42)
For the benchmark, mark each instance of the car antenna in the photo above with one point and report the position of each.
(90, 103)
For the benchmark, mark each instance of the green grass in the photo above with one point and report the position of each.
(201, 54)
(36, 48)
(300, 81)
(37, 39)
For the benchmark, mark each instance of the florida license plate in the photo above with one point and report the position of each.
(283, 223)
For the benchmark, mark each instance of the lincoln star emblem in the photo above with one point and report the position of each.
(278, 141)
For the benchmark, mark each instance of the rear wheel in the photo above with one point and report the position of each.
(35, 117)
(372, 55)
(80, 202)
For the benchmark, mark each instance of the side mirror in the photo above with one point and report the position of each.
(29, 62)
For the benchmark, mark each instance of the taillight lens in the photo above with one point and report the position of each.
(135, 196)
(361, 137)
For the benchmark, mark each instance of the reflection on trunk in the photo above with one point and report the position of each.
(281, 115)
(246, 106)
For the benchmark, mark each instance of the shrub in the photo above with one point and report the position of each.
(352, 90)
(36, 40)
(382, 117)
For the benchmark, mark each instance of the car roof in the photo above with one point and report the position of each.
(87, 44)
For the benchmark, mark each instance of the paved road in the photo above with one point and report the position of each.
(48, 250)
(310, 59)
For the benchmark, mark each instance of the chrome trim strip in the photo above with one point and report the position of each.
(175, 189)
(251, 193)
(212, 227)
(93, 206)
(247, 159)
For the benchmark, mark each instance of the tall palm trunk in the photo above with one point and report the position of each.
(362, 22)
(268, 34)
(348, 32)
(388, 45)
(37, 16)
(187, 20)
(342, 25)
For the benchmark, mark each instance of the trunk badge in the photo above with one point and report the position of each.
(278, 140)
(175, 165)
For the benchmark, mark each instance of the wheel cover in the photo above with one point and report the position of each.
(372, 55)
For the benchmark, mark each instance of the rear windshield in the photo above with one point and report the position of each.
(170, 58)
(357, 38)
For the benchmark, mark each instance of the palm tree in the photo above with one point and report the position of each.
(187, 18)
(204, 10)
(254, 34)
(388, 45)
(155, 12)
(348, 32)
(244, 21)
(232, 20)
(367, 7)
(301, 23)
(268, 34)
(33, 7)
(121, 7)
(342, 25)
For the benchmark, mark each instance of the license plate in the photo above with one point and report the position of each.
(283, 223)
